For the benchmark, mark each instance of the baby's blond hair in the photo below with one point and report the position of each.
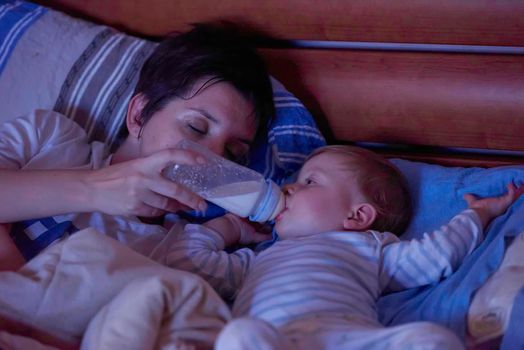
(380, 182)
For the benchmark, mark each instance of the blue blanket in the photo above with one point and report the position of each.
(437, 193)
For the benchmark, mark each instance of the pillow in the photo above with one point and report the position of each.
(437, 193)
(88, 72)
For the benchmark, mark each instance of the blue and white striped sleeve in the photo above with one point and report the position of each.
(200, 250)
(418, 262)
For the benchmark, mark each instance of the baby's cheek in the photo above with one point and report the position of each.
(318, 207)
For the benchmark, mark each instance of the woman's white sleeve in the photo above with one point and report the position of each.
(42, 139)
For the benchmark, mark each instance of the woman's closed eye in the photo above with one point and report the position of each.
(199, 130)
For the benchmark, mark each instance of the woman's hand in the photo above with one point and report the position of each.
(134, 187)
(137, 187)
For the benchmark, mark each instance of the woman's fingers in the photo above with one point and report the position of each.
(159, 160)
(137, 187)
(171, 195)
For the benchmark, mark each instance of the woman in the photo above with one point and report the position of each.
(206, 85)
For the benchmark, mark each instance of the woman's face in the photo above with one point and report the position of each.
(217, 117)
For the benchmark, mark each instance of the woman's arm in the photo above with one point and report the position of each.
(47, 140)
(39, 193)
(134, 187)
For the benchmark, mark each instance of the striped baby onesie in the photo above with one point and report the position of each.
(332, 274)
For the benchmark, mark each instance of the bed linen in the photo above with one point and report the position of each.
(437, 193)
(91, 284)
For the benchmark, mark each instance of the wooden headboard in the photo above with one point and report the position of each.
(419, 74)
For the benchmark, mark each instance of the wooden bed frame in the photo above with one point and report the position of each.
(422, 75)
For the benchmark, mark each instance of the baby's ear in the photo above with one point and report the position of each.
(360, 218)
(134, 109)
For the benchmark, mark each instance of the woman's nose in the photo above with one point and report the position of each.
(217, 147)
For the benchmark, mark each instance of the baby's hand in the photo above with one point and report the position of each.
(247, 232)
(491, 207)
(235, 230)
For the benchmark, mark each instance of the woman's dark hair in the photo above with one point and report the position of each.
(218, 53)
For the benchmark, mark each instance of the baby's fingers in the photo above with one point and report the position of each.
(260, 237)
(513, 193)
(470, 198)
(516, 192)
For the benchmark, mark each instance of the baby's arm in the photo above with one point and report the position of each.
(489, 208)
(437, 254)
(200, 249)
(235, 230)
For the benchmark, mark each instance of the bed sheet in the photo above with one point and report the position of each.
(91, 289)
(437, 194)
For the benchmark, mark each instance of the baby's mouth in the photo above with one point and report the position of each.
(279, 216)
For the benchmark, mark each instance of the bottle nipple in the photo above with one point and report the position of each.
(279, 207)
(271, 204)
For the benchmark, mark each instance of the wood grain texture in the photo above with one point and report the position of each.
(457, 160)
(474, 22)
(474, 101)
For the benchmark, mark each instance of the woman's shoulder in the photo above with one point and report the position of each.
(49, 121)
(43, 139)
(43, 125)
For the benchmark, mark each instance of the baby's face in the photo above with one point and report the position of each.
(321, 198)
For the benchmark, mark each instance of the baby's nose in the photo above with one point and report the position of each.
(289, 189)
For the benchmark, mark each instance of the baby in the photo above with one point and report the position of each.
(317, 287)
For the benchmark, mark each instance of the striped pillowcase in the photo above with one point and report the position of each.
(15, 18)
(100, 83)
(88, 72)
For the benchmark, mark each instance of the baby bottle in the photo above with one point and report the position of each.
(235, 188)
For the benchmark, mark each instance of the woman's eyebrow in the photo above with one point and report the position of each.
(205, 114)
